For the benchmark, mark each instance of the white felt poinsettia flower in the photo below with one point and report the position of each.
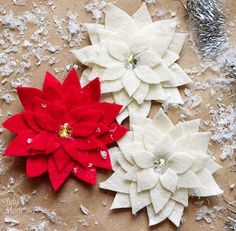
(135, 59)
(158, 165)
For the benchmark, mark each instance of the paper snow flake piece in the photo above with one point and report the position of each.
(162, 165)
(135, 59)
(64, 130)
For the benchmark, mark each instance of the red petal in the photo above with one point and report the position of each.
(36, 166)
(79, 156)
(95, 157)
(51, 88)
(61, 159)
(86, 114)
(115, 133)
(29, 118)
(45, 122)
(58, 178)
(16, 124)
(27, 96)
(44, 143)
(19, 145)
(88, 143)
(84, 129)
(71, 79)
(93, 89)
(85, 174)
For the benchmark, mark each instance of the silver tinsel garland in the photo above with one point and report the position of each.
(208, 20)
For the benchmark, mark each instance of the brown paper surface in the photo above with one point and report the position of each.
(66, 203)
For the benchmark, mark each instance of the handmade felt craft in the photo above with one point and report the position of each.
(64, 129)
(158, 165)
(135, 58)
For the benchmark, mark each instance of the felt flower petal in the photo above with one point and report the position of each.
(36, 166)
(130, 82)
(170, 58)
(176, 214)
(46, 122)
(200, 142)
(93, 89)
(84, 129)
(30, 119)
(146, 74)
(138, 200)
(162, 215)
(27, 96)
(149, 59)
(169, 180)
(114, 72)
(118, 50)
(177, 42)
(180, 163)
(61, 159)
(144, 159)
(116, 182)
(159, 196)
(121, 200)
(71, 79)
(173, 96)
(87, 175)
(188, 180)
(19, 145)
(146, 179)
(181, 196)
(142, 16)
(118, 19)
(111, 86)
(156, 92)
(16, 124)
(141, 93)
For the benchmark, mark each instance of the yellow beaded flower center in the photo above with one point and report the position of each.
(65, 131)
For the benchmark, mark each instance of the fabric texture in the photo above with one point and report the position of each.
(158, 165)
(135, 58)
(64, 129)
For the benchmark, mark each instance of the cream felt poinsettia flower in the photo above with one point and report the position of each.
(158, 165)
(135, 59)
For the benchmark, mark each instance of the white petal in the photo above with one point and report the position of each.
(93, 31)
(122, 98)
(113, 73)
(209, 185)
(184, 128)
(138, 200)
(139, 121)
(121, 200)
(188, 180)
(138, 45)
(113, 156)
(111, 86)
(159, 197)
(173, 96)
(176, 214)
(144, 159)
(131, 175)
(183, 144)
(147, 75)
(128, 138)
(94, 55)
(146, 179)
(199, 161)
(151, 137)
(116, 183)
(142, 110)
(118, 50)
(149, 59)
(177, 42)
(179, 77)
(162, 122)
(181, 196)
(122, 116)
(169, 180)
(138, 134)
(142, 16)
(117, 19)
(163, 71)
(123, 161)
(200, 142)
(130, 82)
(84, 79)
(170, 58)
(212, 166)
(141, 93)
(164, 147)
(95, 72)
(180, 162)
(162, 215)
(156, 92)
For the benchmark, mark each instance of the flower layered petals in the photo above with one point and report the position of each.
(176, 214)
(46, 122)
(56, 177)
(118, 50)
(87, 175)
(61, 159)
(146, 179)
(36, 166)
(16, 124)
(30, 119)
(149, 59)
(84, 129)
(147, 75)
(142, 16)
(169, 180)
(19, 145)
(93, 89)
(71, 79)
(144, 159)
(130, 82)
(121, 200)
(27, 96)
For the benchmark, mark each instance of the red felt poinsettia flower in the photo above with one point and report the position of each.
(64, 129)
